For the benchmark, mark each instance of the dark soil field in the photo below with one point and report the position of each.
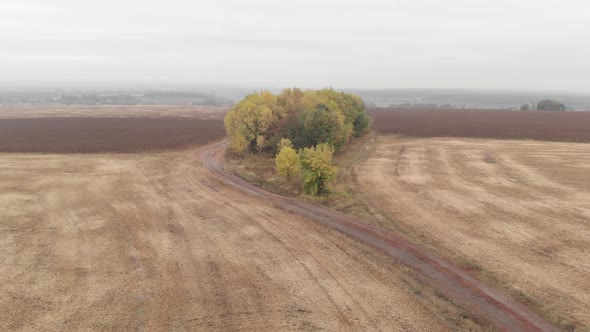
(538, 125)
(92, 135)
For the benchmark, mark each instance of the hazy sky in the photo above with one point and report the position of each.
(516, 44)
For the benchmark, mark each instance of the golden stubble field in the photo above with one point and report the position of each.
(515, 212)
(152, 241)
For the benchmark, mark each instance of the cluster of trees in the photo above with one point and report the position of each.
(95, 99)
(544, 105)
(313, 164)
(304, 129)
(306, 118)
(550, 105)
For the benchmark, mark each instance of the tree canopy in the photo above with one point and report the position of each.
(315, 122)
(306, 118)
(550, 105)
(248, 123)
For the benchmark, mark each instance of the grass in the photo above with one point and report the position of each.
(464, 315)
(489, 159)
(417, 290)
(259, 169)
(443, 296)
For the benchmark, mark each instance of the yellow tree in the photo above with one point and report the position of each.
(287, 161)
(283, 143)
(317, 168)
(248, 123)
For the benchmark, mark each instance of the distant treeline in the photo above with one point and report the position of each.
(174, 94)
(93, 99)
(466, 99)
(112, 98)
(423, 106)
(543, 105)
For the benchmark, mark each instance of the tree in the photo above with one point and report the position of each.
(351, 106)
(287, 161)
(261, 143)
(290, 126)
(248, 123)
(238, 143)
(285, 142)
(361, 124)
(525, 107)
(324, 124)
(550, 105)
(317, 168)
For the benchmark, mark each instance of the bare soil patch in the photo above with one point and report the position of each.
(538, 125)
(517, 213)
(92, 135)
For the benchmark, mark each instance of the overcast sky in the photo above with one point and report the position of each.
(502, 44)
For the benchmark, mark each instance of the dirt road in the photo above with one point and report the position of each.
(456, 283)
(515, 212)
(153, 242)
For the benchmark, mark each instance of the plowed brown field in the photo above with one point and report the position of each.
(92, 135)
(516, 212)
(540, 125)
(92, 129)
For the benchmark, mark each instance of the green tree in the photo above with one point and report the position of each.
(324, 124)
(317, 168)
(290, 126)
(351, 106)
(361, 124)
(550, 105)
(287, 161)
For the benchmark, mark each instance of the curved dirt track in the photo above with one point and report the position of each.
(155, 243)
(457, 284)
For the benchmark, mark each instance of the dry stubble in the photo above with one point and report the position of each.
(515, 211)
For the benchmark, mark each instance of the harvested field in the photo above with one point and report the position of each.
(153, 242)
(91, 135)
(538, 125)
(517, 213)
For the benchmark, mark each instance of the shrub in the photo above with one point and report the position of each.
(317, 168)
